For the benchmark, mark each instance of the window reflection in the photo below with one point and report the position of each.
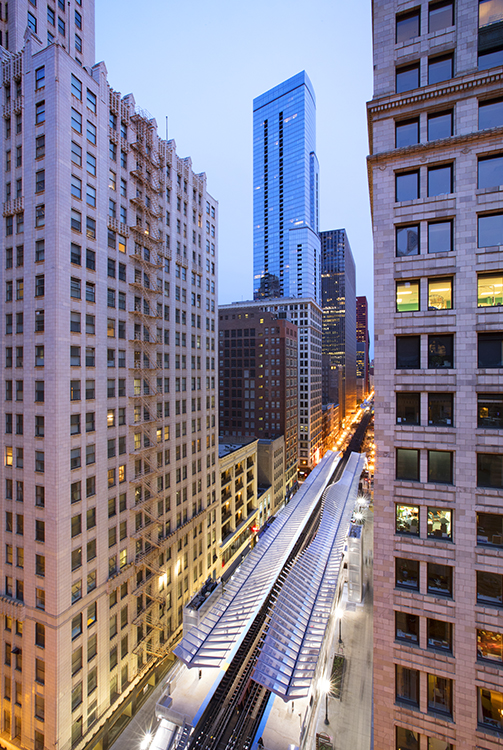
(490, 529)
(439, 635)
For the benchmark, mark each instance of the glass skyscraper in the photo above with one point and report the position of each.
(286, 246)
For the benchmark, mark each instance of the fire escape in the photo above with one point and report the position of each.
(147, 429)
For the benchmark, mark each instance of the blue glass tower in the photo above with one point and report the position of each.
(286, 246)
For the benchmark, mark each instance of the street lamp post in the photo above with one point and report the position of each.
(326, 686)
(327, 722)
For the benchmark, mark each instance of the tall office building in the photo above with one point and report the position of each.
(286, 246)
(338, 288)
(258, 378)
(108, 309)
(362, 346)
(435, 172)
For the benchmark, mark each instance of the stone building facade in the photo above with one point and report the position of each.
(435, 175)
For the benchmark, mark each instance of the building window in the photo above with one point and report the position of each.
(407, 296)
(440, 16)
(32, 22)
(407, 519)
(490, 470)
(407, 464)
(407, 26)
(407, 352)
(439, 635)
(407, 186)
(489, 589)
(440, 125)
(440, 294)
(490, 709)
(406, 574)
(39, 78)
(440, 465)
(407, 627)
(490, 171)
(489, 529)
(406, 133)
(439, 236)
(406, 739)
(407, 240)
(408, 408)
(407, 78)
(439, 580)
(490, 230)
(490, 410)
(440, 524)
(439, 695)
(490, 114)
(440, 68)
(490, 350)
(489, 646)
(440, 409)
(40, 112)
(407, 685)
(439, 180)
(440, 352)
(490, 290)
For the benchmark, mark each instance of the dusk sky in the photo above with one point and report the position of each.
(201, 64)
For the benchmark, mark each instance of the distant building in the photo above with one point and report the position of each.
(258, 376)
(239, 510)
(362, 347)
(338, 284)
(286, 246)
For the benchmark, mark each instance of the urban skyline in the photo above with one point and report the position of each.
(231, 65)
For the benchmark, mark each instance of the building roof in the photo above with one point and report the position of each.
(288, 659)
(224, 627)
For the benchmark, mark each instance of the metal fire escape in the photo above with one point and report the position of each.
(147, 429)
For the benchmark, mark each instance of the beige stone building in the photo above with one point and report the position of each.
(109, 486)
(436, 184)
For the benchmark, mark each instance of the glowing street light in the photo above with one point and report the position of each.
(146, 741)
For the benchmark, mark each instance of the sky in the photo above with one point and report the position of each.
(200, 64)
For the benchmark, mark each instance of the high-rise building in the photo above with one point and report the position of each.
(109, 446)
(435, 173)
(362, 346)
(286, 246)
(338, 288)
(258, 372)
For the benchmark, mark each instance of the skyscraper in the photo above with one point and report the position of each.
(286, 244)
(108, 253)
(436, 175)
(338, 288)
(362, 345)
(286, 247)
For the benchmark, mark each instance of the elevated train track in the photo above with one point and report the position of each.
(233, 714)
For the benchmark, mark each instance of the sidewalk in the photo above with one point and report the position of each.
(350, 718)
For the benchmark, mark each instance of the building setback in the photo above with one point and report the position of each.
(258, 371)
(338, 287)
(110, 453)
(435, 175)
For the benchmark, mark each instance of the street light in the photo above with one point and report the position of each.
(146, 741)
(326, 686)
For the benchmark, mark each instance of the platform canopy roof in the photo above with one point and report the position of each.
(289, 655)
(220, 633)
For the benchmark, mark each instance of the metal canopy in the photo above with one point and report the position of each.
(226, 624)
(288, 658)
